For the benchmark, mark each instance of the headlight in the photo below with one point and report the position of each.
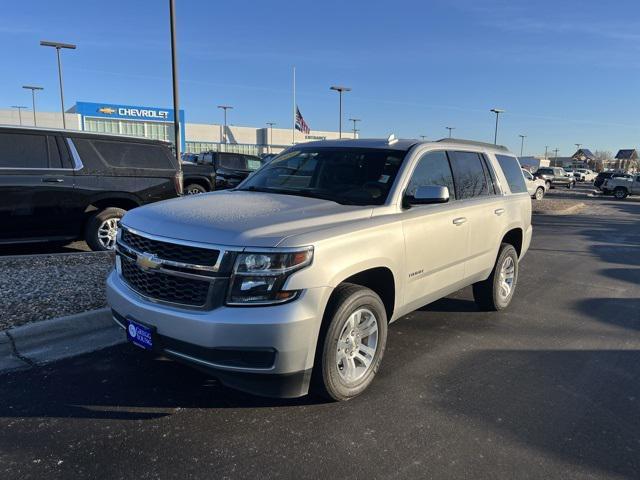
(258, 277)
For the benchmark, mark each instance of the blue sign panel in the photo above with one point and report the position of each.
(128, 112)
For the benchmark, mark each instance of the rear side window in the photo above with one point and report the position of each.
(432, 169)
(469, 175)
(513, 172)
(124, 154)
(19, 150)
(54, 154)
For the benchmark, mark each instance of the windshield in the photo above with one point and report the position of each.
(352, 176)
(239, 162)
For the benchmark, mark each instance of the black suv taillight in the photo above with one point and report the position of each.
(177, 179)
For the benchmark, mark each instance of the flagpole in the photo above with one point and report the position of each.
(293, 124)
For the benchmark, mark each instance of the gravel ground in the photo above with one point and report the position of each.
(557, 206)
(47, 286)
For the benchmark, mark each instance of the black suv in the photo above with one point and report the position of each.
(217, 171)
(58, 186)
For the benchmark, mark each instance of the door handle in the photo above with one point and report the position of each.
(499, 211)
(459, 221)
(52, 180)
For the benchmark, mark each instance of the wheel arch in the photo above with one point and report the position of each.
(202, 181)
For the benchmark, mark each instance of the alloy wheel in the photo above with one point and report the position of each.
(107, 232)
(357, 345)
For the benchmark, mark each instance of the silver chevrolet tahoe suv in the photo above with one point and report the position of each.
(288, 282)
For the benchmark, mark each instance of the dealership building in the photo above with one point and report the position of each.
(157, 123)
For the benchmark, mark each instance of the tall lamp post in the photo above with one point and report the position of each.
(270, 134)
(33, 99)
(546, 148)
(423, 137)
(224, 131)
(340, 89)
(174, 81)
(497, 111)
(450, 128)
(555, 162)
(355, 130)
(19, 108)
(522, 137)
(58, 46)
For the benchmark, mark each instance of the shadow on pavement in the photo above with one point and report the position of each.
(580, 405)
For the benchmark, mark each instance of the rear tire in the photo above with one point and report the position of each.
(495, 293)
(620, 193)
(351, 343)
(194, 189)
(100, 231)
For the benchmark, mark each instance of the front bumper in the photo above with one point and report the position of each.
(263, 350)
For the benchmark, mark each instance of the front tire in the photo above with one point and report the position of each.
(496, 292)
(351, 344)
(620, 193)
(194, 189)
(101, 229)
(539, 193)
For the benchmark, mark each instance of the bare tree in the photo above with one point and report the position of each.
(603, 159)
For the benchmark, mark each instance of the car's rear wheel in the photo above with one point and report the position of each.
(620, 193)
(194, 189)
(496, 292)
(539, 193)
(351, 344)
(548, 185)
(101, 229)
(571, 185)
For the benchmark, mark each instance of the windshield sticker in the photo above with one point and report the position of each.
(383, 178)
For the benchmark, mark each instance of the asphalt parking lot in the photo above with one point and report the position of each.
(549, 388)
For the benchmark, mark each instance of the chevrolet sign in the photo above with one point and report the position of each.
(143, 112)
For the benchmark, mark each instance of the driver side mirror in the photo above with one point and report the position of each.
(427, 195)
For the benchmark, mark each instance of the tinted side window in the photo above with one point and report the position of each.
(468, 174)
(124, 154)
(432, 169)
(19, 150)
(513, 172)
(54, 154)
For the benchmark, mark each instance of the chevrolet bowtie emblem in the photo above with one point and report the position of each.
(107, 110)
(147, 261)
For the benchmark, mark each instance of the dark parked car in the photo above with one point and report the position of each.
(59, 186)
(602, 176)
(218, 171)
(555, 177)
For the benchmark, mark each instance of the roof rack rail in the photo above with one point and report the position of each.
(473, 143)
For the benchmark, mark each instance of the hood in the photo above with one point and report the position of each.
(235, 218)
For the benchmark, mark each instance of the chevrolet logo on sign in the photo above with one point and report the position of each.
(147, 261)
(107, 110)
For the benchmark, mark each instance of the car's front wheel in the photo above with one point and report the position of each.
(351, 344)
(102, 227)
(620, 193)
(194, 189)
(496, 292)
(539, 193)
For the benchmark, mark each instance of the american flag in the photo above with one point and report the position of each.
(300, 123)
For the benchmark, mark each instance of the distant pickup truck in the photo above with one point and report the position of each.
(622, 186)
(217, 171)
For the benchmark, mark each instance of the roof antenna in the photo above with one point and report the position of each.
(392, 139)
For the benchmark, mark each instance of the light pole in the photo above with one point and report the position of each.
(555, 162)
(450, 128)
(355, 130)
(522, 137)
(224, 131)
(270, 134)
(546, 148)
(423, 137)
(340, 89)
(19, 107)
(174, 79)
(33, 99)
(497, 111)
(58, 46)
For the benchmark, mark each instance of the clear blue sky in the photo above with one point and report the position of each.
(566, 71)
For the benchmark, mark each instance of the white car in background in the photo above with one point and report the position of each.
(586, 175)
(536, 187)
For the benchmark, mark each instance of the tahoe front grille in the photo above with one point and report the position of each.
(171, 251)
(165, 287)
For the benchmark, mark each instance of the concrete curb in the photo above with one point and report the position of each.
(50, 340)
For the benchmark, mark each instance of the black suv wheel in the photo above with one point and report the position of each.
(102, 227)
(620, 193)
